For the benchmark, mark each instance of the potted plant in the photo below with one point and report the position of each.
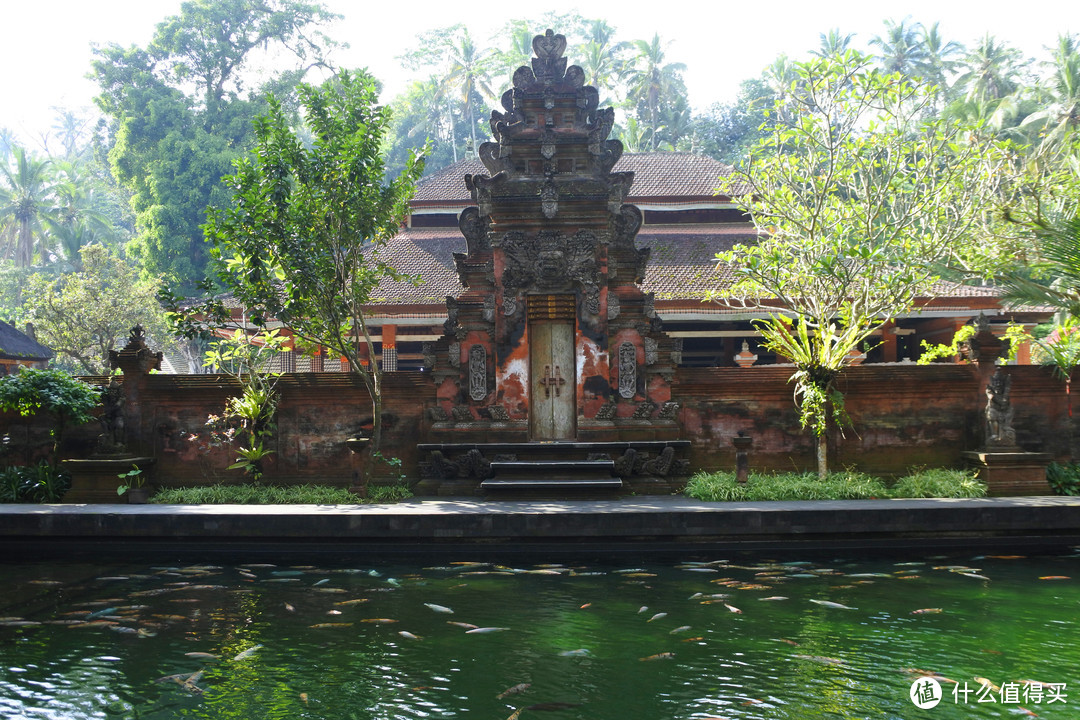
(134, 485)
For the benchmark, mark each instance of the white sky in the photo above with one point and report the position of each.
(45, 44)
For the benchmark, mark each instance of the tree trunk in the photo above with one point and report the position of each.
(823, 455)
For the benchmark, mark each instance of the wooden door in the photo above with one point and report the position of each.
(552, 367)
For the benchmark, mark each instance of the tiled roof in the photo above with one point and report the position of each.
(671, 176)
(682, 264)
(15, 344)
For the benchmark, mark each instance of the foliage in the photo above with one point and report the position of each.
(856, 196)
(301, 242)
(55, 392)
(939, 351)
(83, 315)
(848, 485)
(133, 479)
(722, 487)
(40, 483)
(939, 483)
(256, 495)
(388, 493)
(180, 111)
(1053, 278)
(1064, 479)
(248, 420)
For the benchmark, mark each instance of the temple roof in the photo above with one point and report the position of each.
(669, 177)
(15, 344)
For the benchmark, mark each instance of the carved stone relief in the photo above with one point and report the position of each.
(644, 410)
(510, 305)
(651, 354)
(477, 372)
(613, 306)
(454, 353)
(668, 411)
(606, 411)
(549, 261)
(627, 370)
(489, 308)
(549, 198)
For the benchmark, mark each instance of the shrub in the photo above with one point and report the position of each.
(256, 495)
(1064, 479)
(939, 483)
(847, 485)
(41, 483)
(68, 400)
(388, 493)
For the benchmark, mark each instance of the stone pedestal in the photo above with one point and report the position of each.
(1011, 473)
(94, 480)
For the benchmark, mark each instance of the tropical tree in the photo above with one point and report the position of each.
(901, 49)
(26, 206)
(83, 315)
(939, 61)
(180, 111)
(301, 240)
(652, 83)
(1061, 93)
(856, 197)
(833, 43)
(991, 70)
(469, 74)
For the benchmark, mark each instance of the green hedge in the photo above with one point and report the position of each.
(847, 485)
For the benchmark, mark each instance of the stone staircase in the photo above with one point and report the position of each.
(644, 466)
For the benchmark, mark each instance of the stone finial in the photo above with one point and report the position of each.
(745, 358)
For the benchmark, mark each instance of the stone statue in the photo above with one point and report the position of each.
(999, 412)
(112, 438)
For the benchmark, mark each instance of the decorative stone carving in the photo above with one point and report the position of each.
(112, 439)
(497, 413)
(439, 467)
(745, 358)
(661, 464)
(651, 351)
(606, 411)
(613, 306)
(627, 370)
(668, 411)
(451, 314)
(478, 372)
(547, 150)
(462, 413)
(475, 229)
(437, 414)
(644, 410)
(510, 305)
(549, 199)
(592, 300)
(474, 465)
(549, 261)
(453, 352)
(999, 412)
(428, 352)
(676, 351)
(489, 309)
(624, 464)
(650, 305)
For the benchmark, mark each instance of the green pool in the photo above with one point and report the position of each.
(699, 638)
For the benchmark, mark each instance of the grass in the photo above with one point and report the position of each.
(253, 494)
(847, 485)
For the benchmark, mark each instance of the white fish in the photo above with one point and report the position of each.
(439, 608)
(830, 604)
(774, 597)
(973, 575)
(681, 628)
(657, 616)
(642, 609)
(581, 652)
(248, 653)
(408, 635)
(484, 630)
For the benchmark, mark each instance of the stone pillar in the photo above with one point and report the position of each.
(742, 443)
(135, 360)
(389, 348)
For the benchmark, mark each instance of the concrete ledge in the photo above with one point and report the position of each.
(626, 523)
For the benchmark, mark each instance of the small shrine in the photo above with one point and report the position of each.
(554, 368)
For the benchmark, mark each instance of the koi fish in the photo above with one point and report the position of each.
(681, 628)
(515, 715)
(201, 655)
(986, 683)
(484, 630)
(830, 604)
(973, 575)
(927, 611)
(408, 635)
(772, 598)
(185, 680)
(733, 609)
(658, 656)
(789, 642)
(378, 621)
(586, 605)
(519, 688)
(657, 616)
(467, 626)
(581, 652)
(1055, 577)
(693, 639)
(642, 609)
(357, 601)
(439, 608)
(330, 625)
(248, 653)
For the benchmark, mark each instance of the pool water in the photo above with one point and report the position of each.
(699, 638)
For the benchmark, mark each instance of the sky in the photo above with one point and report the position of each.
(45, 48)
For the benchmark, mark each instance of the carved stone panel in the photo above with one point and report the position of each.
(477, 372)
(627, 370)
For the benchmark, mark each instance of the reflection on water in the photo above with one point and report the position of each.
(707, 638)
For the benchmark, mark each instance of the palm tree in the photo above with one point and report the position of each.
(833, 43)
(652, 83)
(77, 219)
(991, 70)
(26, 203)
(1061, 93)
(901, 47)
(1057, 252)
(601, 58)
(468, 73)
(506, 62)
(940, 60)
